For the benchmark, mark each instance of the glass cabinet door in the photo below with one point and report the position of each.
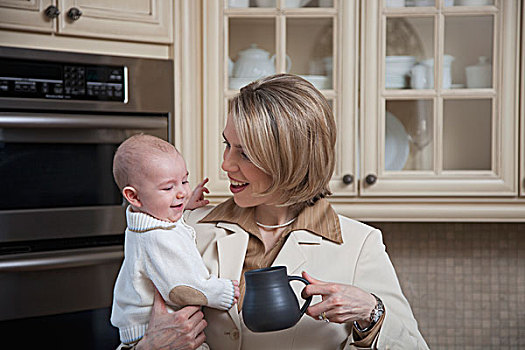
(439, 98)
(248, 39)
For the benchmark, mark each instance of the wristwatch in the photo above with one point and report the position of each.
(375, 316)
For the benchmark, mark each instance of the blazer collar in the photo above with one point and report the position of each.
(319, 219)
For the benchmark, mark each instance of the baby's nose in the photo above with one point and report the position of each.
(181, 194)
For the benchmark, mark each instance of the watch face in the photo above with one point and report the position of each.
(378, 310)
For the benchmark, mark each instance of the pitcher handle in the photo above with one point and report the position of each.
(288, 62)
(309, 299)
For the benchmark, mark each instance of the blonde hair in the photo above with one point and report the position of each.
(132, 156)
(287, 129)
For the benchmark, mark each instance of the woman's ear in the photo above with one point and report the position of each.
(132, 196)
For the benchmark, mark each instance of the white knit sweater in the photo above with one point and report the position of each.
(163, 255)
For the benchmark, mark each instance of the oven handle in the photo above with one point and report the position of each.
(62, 259)
(84, 121)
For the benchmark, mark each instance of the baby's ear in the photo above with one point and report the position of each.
(132, 196)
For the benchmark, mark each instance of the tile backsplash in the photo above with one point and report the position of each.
(464, 281)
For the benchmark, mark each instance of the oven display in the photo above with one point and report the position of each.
(64, 81)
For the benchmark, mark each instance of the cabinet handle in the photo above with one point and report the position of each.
(74, 13)
(52, 11)
(371, 179)
(348, 179)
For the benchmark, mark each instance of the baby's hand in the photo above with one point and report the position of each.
(197, 196)
(236, 291)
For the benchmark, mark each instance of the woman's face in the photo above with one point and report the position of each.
(245, 178)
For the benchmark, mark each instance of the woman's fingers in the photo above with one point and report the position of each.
(310, 279)
(316, 287)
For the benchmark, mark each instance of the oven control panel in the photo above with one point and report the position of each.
(62, 81)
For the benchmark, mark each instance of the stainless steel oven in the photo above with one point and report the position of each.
(62, 116)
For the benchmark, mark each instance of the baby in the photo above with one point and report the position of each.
(159, 250)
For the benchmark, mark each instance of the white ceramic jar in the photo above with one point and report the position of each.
(479, 75)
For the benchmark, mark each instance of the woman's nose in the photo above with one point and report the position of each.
(228, 162)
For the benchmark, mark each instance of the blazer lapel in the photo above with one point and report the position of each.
(231, 250)
(291, 254)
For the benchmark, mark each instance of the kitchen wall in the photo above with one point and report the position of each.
(465, 281)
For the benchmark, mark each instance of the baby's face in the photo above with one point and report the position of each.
(164, 189)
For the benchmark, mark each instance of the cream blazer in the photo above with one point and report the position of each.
(361, 260)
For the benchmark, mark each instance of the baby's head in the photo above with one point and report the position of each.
(152, 176)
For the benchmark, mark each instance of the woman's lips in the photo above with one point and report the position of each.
(236, 186)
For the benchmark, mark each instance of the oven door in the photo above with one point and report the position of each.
(61, 215)
(56, 175)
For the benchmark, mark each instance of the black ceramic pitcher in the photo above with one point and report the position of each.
(269, 301)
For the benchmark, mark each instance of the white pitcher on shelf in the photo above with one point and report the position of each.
(422, 74)
(255, 63)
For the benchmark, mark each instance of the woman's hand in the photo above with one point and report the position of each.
(197, 196)
(341, 302)
(180, 330)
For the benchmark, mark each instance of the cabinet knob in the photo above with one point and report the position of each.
(52, 11)
(348, 179)
(371, 179)
(74, 13)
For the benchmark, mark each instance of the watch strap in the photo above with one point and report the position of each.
(375, 315)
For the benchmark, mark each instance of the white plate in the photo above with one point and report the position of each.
(397, 144)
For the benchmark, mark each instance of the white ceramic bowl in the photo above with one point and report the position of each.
(319, 81)
(395, 81)
(296, 3)
(395, 3)
(238, 3)
(238, 83)
(473, 2)
(265, 3)
(399, 65)
(424, 2)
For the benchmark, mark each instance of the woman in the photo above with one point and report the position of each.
(279, 156)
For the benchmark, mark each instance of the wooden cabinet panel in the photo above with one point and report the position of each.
(26, 15)
(124, 20)
(133, 20)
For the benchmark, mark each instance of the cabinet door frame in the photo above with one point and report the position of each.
(27, 15)
(502, 179)
(155, 25)
(346, 88)
(522, 107)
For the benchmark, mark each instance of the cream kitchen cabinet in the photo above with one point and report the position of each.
(300, 37)
(148, 21)
(420, 136)
(448, 129)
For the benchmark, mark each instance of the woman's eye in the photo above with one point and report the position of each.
(244, 156)
(226, 143)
